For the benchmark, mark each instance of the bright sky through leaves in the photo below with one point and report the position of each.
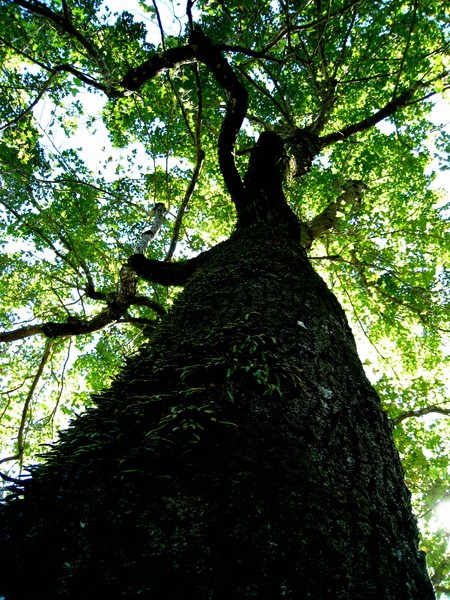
(80, 174)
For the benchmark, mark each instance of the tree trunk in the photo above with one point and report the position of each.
(241, 454)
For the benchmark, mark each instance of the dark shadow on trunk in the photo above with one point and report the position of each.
(242, 454)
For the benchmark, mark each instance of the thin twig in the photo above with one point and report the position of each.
(183, 205)
(66, 24)
(405, 52)
(196, 172)
(158, 18)
(23, 422)
(25, 55)
(33, 104)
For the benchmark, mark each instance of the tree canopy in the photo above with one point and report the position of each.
(106, 115)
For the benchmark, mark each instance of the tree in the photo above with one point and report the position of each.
(242, 451)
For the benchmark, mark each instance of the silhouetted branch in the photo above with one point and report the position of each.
(33, 104)
(23, 420)
(164, 273)
(118, 304)
(249, 52)
(236, 109)
(391, 107)
(158, 63)
(64, 22)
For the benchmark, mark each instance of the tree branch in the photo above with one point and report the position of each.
(183, 205)
(304, 27)
(150, 234)
(115, 310)
(38, 231)
(20, 334)
(196, 172)
(202, 49)
(33, 104)
(236, 109)
(65, 23)
(406, 49)
(147, 302)
(327, 219)
(165, 273)
(301, 146)
(442, 589)
(328, 99)
(420, 412)
(155, 65)
(78, 326)
(26, 55)
(391, 107)
(249, 52)
(266, 93)
(88, 80)
(26, 406)
(23, 420)
(118, 304)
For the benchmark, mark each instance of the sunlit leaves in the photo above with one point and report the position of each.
(79, 175)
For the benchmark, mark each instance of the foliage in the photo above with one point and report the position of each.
(82, 162)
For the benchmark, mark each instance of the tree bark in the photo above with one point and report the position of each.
(241, 454)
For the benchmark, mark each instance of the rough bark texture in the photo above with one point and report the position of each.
(242, 454)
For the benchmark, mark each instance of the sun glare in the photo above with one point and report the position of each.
(443, 514)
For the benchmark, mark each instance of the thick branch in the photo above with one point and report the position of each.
(149, 235)
(237, 100)
(164, 273)
(64, 22)
(20, 334)
(117, 303)
(148, 303)
(110, 297)
(158, 63)
(327, 219)
(391, 107)
(264, 197)
(40, 8)
(301, 146)
(112, 313)
(420, 412)
(117, 307)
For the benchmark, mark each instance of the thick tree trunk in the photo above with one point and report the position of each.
(242, 454)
